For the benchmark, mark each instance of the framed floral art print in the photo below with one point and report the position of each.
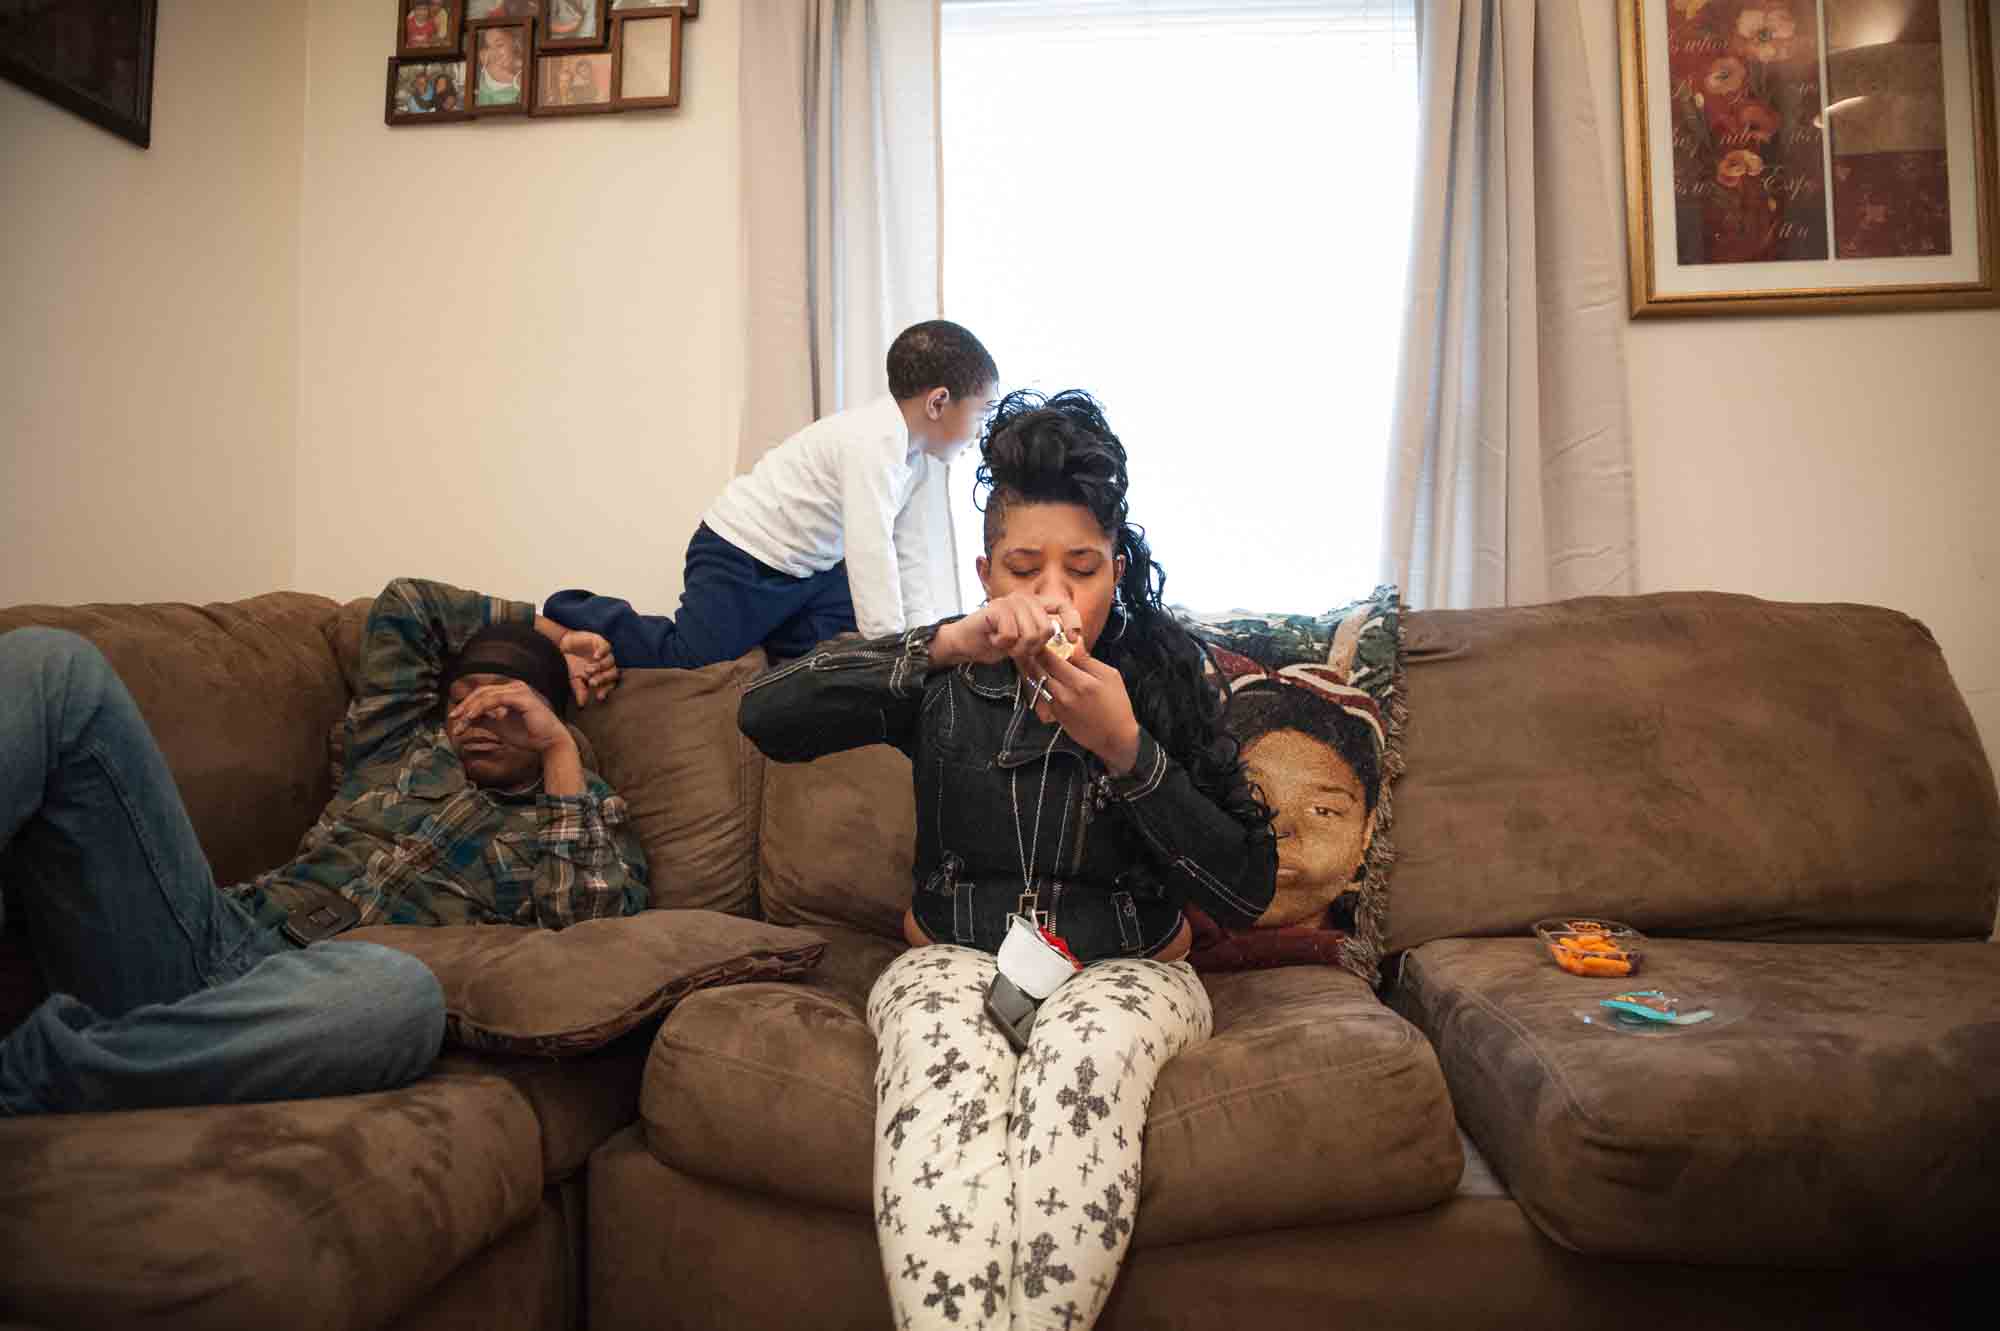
(1801, 155)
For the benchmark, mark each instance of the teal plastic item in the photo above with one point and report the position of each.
(1653, 1005)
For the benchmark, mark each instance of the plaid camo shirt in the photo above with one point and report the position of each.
(409, 838)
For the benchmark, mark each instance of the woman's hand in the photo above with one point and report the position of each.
(1015, 626)
(1088, 697)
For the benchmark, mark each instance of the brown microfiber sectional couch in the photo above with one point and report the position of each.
(1791, 799)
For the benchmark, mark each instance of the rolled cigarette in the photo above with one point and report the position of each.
(1058, 643)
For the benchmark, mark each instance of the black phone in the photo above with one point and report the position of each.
(1011, 1009)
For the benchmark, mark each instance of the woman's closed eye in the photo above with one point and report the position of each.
(1080, 571)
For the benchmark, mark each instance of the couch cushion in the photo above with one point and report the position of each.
(321, 1214)
(527, 1281)
(561, 992)
(1313, 1102)
(579, 1102)
(1690, 762)
(1843, 1107)
(239, 698)
(775, 1088)
(667, 741)
(838, 837)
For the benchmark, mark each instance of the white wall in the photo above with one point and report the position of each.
(521, 342)
(508, 355)
(1851, 457)
(149, 353)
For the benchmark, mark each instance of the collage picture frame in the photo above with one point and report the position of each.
(461, 60)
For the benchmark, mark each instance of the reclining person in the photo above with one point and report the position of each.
(463, 802)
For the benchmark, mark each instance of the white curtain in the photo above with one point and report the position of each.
(839, 176)
(1510, 473)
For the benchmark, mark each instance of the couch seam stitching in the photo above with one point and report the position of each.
(768, 1073)
(1211, 1100)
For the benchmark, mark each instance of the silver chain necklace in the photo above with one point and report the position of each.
(1028, 850)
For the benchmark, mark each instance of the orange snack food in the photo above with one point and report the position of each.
(1596, 949)
(1594, 964)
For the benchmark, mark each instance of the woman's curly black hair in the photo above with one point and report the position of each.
(1060, 450)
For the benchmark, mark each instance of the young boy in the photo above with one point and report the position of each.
(820, 537)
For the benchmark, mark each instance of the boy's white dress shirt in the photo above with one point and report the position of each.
(841, 489)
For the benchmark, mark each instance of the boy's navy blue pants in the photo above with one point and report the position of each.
(730, 602)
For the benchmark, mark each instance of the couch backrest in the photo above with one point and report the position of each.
(667, 740)
(837, 839)
(239, 698)
(1690, 762)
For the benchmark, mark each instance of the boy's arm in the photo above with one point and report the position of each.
(916, 558)
(638, 641)
(414, 628)
(868, 511)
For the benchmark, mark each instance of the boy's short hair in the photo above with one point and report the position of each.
(939, 353)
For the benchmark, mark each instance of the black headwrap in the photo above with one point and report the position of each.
(516, 651)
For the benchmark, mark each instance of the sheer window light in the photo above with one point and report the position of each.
(1200, 213)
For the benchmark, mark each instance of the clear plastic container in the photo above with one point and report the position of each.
(1592, 946)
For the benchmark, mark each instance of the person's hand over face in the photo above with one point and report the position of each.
(507, 713)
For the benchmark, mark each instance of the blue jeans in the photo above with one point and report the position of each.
(163, 990)
(730, 602)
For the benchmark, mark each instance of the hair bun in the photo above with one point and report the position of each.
(1056, 449)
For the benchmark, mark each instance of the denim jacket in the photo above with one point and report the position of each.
(1007, 806)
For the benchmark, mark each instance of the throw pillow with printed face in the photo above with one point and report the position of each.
(1316, 704)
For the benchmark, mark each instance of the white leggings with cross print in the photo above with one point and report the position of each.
(1005, 1184)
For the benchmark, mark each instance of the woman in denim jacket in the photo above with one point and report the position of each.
(1093, 796)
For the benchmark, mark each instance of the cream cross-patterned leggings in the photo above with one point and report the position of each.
(1005, 1184)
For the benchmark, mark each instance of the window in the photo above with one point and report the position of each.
(1200, 213)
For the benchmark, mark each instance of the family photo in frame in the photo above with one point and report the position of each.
(503, 66)
(1800, 155)
(428, 27)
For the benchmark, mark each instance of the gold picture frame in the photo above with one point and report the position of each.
(1809, 156)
